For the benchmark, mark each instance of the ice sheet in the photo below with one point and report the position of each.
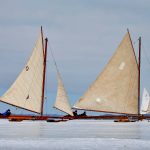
(75, 134)
(74, 144)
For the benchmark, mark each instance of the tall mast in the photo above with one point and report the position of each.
(42, 39)
(139, 77)
(44, 73)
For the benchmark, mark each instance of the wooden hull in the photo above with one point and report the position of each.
(57, 120)
(15, 120)
(25, 117)
(44, 118)
(125, 120)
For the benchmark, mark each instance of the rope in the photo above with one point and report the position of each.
(54, 60)
(145, 54)
(135, 41)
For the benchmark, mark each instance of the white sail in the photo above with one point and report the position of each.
(62, 101)
(26, 91)
(145, 102)
(116, 88)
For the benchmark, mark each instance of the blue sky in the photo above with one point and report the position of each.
(83, 34)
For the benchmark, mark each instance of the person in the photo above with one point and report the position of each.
(84, 113)
(6, 113)
(75, 113)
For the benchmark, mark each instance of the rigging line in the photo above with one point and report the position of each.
(135, 42)
(52, 54)
(58, 73)
(54, 60)
(55, 64)
(145, 54)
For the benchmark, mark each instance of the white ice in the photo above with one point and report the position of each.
(74, 135)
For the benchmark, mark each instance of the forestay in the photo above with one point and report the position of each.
(26, 91)
(116, 88)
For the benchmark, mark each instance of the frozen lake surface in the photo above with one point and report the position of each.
(74, 135)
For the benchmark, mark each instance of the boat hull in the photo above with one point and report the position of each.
(47, 117)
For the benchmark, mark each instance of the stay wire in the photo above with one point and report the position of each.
(54, 60)
(145, 54)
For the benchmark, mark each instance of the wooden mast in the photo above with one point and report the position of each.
(42, 40)
(44, 74)
(139, 77)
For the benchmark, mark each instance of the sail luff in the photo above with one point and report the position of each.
(44, 74)
(116, 88)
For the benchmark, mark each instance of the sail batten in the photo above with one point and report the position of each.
(26, 91)
(116, 88)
